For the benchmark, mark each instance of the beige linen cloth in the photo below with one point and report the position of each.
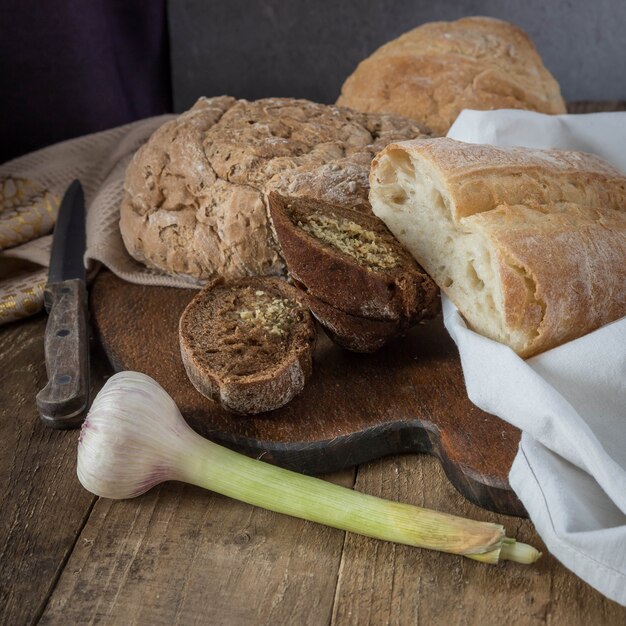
(31, 188)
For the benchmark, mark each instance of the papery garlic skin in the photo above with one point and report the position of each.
(132, 438)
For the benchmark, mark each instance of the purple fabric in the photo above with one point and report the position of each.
(70, 67)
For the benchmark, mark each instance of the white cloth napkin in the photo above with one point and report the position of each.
(570, 402)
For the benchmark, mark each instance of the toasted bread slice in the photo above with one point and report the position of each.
(248, 343)
(358, 334)
(350, 260)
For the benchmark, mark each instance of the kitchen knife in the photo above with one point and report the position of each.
(63, 402)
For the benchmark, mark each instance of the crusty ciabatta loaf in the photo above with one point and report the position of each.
(248, 343)
(529, 244)
(350, 260)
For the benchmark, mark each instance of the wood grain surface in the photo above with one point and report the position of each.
(407, 397)
(181, 555)
(384, 583)
(42, 505)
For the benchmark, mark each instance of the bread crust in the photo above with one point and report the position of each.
(550, 224)
(479, 177)
(194, 194)
(354, 333)
(563, 269)
(436, 70)
(261, 391)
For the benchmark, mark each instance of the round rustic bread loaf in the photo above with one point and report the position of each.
(435, 71)
(194, 201)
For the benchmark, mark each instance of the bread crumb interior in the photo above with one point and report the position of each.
(238, 332)
(363, 245)
(409, 197)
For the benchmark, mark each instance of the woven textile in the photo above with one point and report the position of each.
(30, 191)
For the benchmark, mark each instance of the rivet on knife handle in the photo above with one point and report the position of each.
(63, 402)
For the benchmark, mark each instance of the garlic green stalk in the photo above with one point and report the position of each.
(134, 438)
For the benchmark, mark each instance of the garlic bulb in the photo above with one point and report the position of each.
(134, 437)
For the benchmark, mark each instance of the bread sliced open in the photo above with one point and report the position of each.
(530, 245)
(350, 260)
(248, 343)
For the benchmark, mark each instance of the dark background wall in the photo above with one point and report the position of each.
(70, 67)
(306, 48)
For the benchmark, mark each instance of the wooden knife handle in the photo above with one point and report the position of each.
(64, 401)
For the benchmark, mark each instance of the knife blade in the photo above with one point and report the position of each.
(63, 402)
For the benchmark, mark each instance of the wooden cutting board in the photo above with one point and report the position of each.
(408, 397)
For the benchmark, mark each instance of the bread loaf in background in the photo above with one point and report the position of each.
(194, 195)
(438, 69)
(529, 244)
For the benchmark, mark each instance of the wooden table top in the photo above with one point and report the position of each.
(181, 555)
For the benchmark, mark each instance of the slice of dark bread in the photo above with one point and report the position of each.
(248, 343)
(350, 260)
(358, 334)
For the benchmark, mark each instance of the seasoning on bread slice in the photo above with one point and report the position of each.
(358, 334)
(350, 260)
(248, 343)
